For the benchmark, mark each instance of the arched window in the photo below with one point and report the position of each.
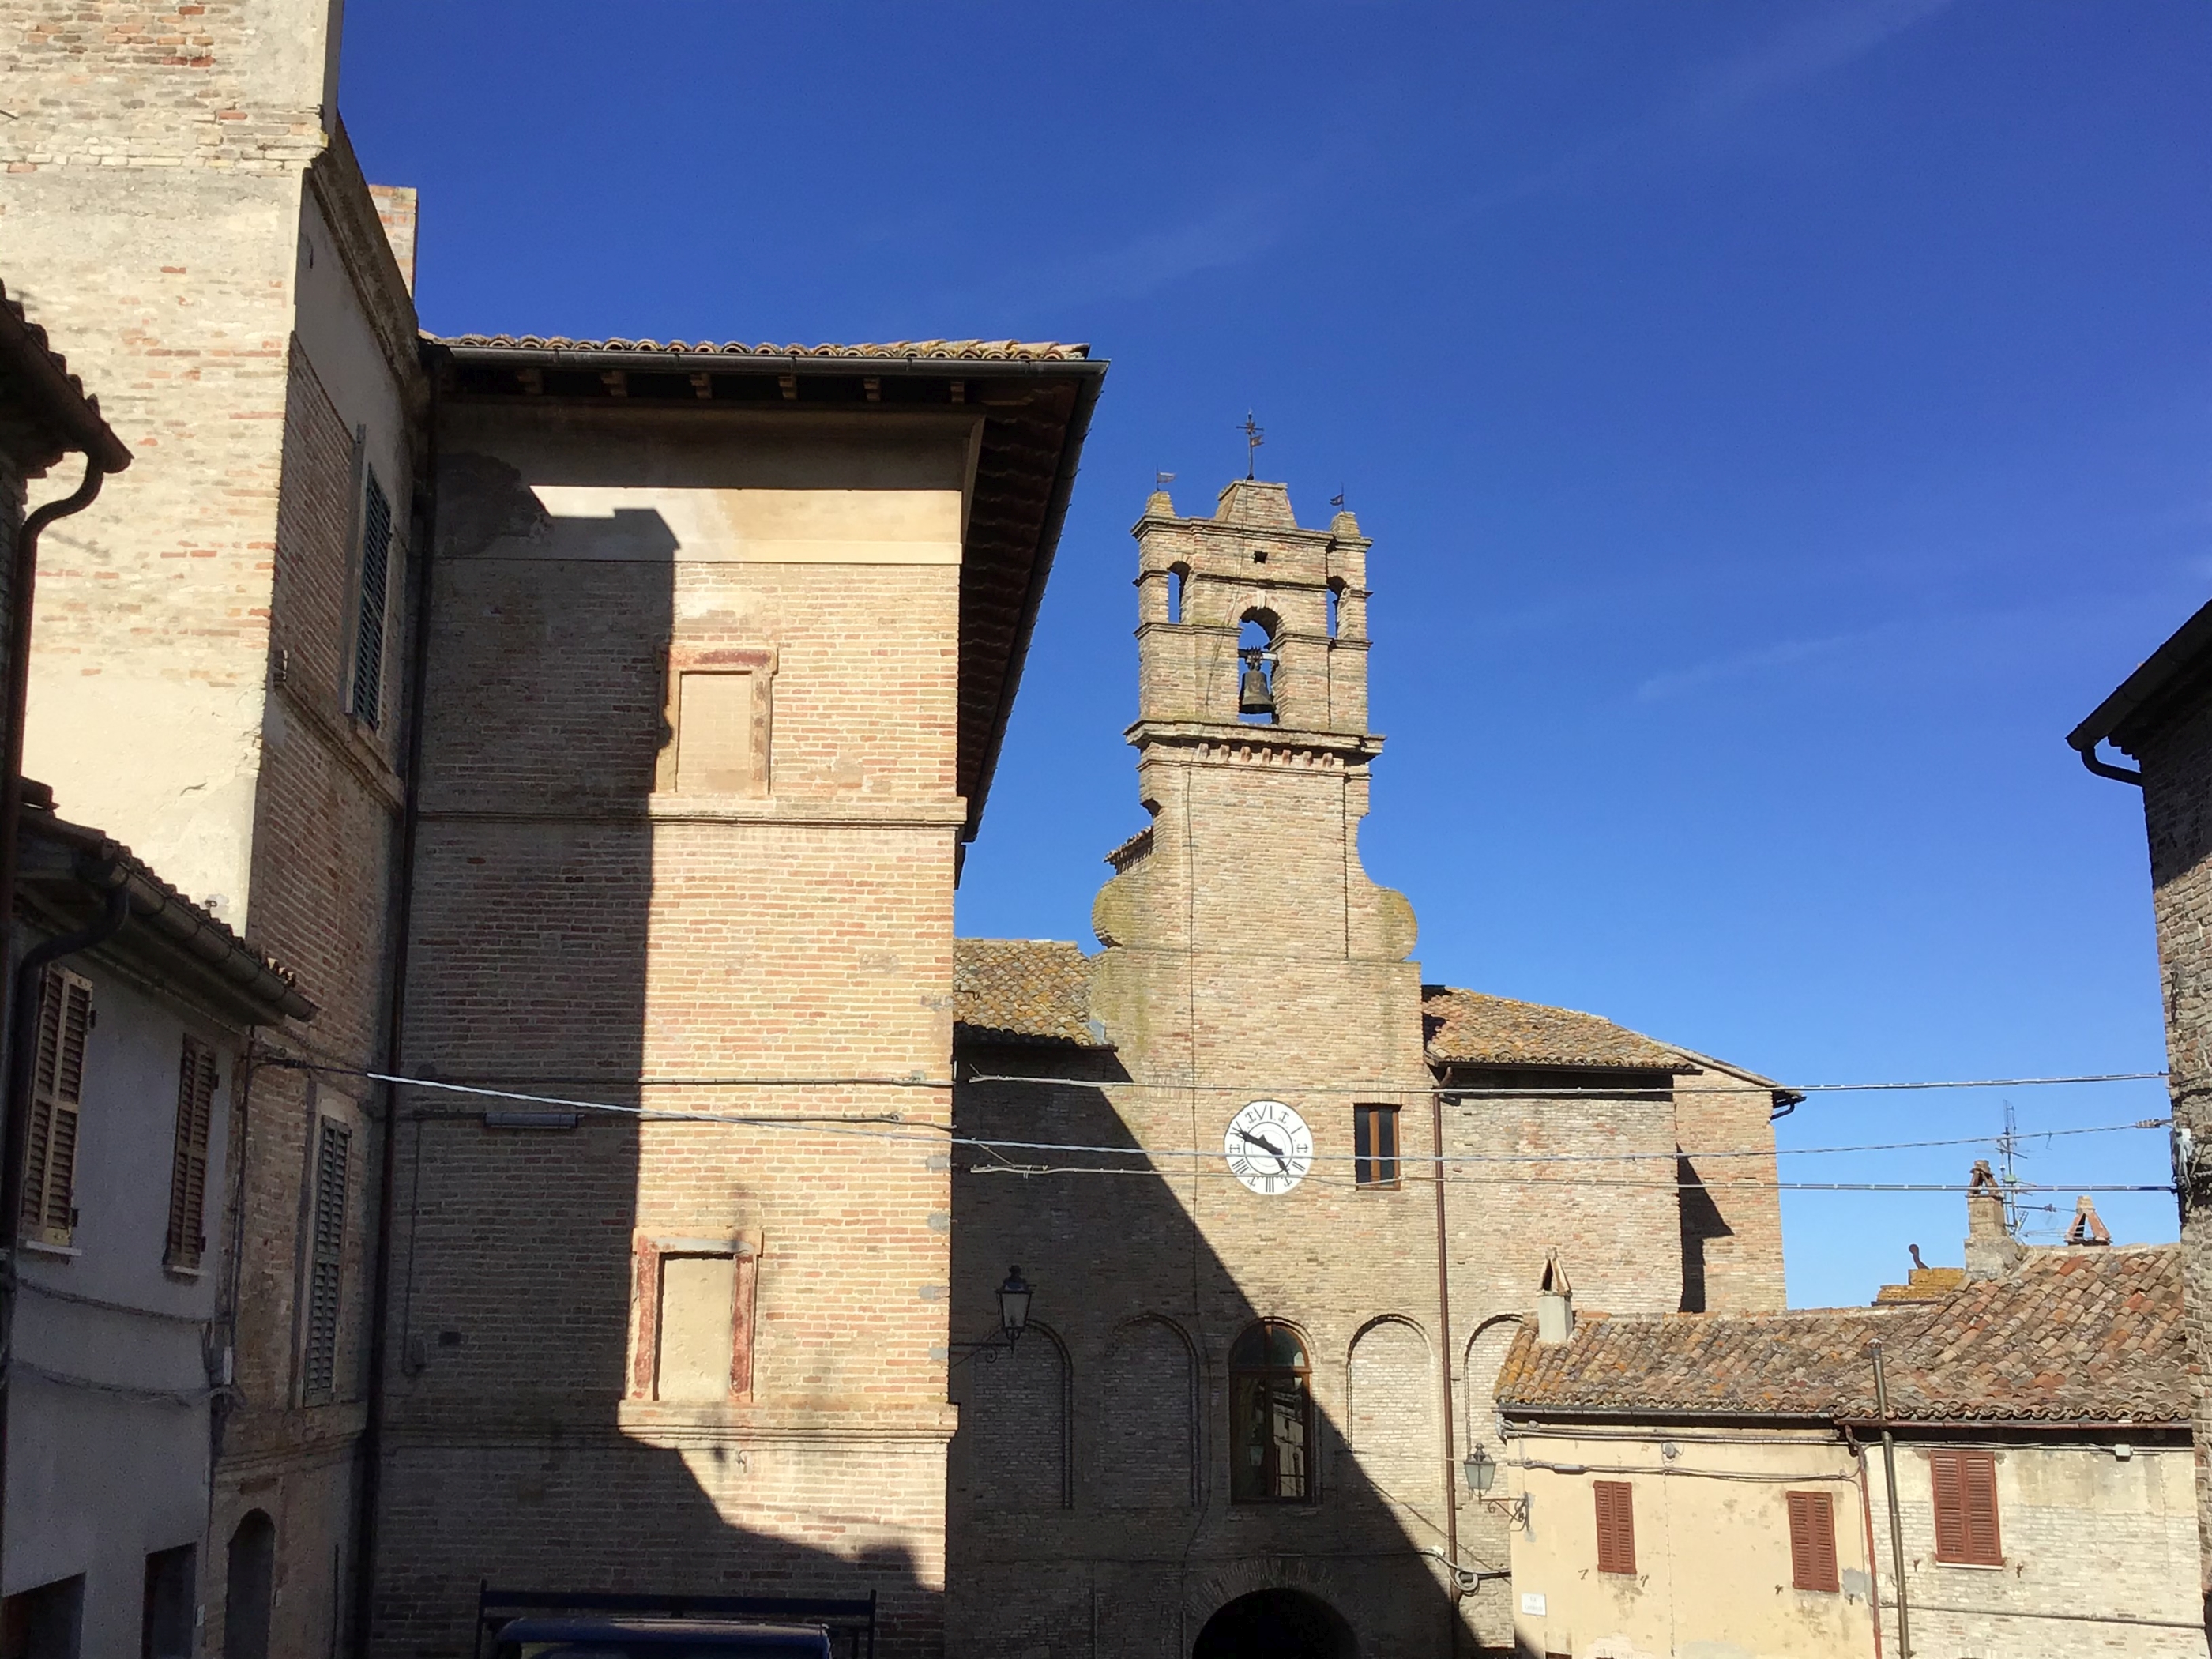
(249, 1588)
(1271, 1419)
(1256, 680)
(1335, 599)
(1178, 580)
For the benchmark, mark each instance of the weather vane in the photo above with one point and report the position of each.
(1253, 437)
(1162, 480)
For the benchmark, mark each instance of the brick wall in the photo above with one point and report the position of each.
(2118, 1583)
(2177, 768)
(585, 929)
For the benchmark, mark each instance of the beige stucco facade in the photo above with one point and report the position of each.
(1713, 1574)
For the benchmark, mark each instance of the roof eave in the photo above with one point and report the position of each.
(2190, 646)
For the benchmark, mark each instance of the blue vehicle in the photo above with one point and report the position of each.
(627, 1625)
(569, 1638)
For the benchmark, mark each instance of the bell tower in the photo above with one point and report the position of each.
(1253, 753)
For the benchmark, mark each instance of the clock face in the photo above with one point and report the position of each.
(1268, 1147)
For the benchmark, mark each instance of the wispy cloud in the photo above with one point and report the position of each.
(1824, 42)
(1227, 233)
(1784, 654)
(1827, 39)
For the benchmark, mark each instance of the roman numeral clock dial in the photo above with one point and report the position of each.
(1268, 1147)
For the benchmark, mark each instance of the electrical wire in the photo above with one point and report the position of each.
(944, 1135)
(1624, 1093)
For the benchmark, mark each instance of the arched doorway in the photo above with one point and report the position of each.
(249, 1588)
(1276, 1623)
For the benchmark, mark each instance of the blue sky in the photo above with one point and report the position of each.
(1777, 422)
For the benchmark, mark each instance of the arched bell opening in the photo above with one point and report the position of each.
(1256, 634)
(1276, 1623)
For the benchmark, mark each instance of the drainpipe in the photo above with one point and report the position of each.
(1444, 1353)
(1866, 1515)
(379, 1309)
(23, 1016)
(23, 577)
(1896, 1520)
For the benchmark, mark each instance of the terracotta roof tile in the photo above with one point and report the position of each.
(1022, 351)
(37, 376)
(1472, 1028)
(2070, 1335)
(1022, 990)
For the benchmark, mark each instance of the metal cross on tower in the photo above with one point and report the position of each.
(1253, 437)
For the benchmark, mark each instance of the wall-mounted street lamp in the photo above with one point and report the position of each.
(1481, 1471)
(1013, 1319)
(1013, 1305)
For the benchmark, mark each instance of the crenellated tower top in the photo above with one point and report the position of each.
(1245, 619)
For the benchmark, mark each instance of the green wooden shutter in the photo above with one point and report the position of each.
(57, 1096)
(326, 1265)
(367, 704)
(195, 1085)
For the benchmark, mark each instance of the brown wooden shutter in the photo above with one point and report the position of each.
(326, 1265)
(195, 1085)
(1966, 1487)
(1616, 1525)
(1812, 1540)
(56, 1095)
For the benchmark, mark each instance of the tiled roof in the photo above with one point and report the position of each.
(2069, 1335)
(1471, 1028)
(34, 374)
(1018, 351)
(1022, 990)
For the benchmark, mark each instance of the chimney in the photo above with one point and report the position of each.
(1555, 1304)
(1991, 1250)
(2088, 1228)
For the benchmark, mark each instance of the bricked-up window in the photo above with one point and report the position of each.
(1966, 1484)
(1812, 1540)
(1616, 1525)
(1375, 1146)
(195, 1085)
(693, 1318)
(1271, 1429)
(325, 1265)
(367, 703)
(57, 1096)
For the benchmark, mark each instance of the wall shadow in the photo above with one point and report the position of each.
(524, 1444)
(1133, 1545)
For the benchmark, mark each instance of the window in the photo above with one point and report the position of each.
(1616, 1527)
(45, 1623)
(1270, 1417)
(1178, 584)
(1375, 1146)
(367, 704)
(1812, 1540)
(56, 1095)
(195, 1085)
(166, 1627)
(1966, 1484)
(695, 1320)
(326, 1265)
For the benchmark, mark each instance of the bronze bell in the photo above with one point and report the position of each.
(1253, 694)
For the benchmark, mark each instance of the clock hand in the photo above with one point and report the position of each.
(1265, 1145)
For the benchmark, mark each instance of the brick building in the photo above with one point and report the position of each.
(1718, 1482)
(1260, 1324)
(2162, 715)
(213, 675)
(596, 720)
(721, 645)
